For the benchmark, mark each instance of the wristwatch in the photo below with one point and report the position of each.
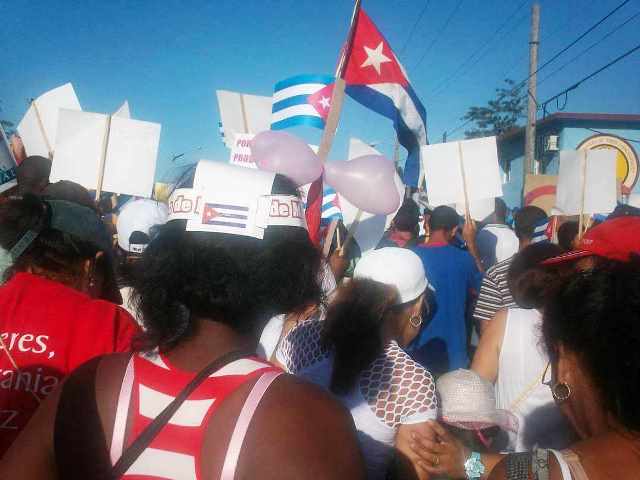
(473, 466)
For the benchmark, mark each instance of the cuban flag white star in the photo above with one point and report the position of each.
(325, 102)
(375, 57)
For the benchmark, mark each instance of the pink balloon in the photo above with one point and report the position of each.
(281, 152)
(368, 182)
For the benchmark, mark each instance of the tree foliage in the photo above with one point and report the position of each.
(499, 115)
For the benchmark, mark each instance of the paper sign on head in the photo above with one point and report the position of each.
(444, 176)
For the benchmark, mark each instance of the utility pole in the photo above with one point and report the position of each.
(530, 131)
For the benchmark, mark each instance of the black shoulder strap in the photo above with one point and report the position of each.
(146, 437)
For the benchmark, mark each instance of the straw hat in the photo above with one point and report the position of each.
(468, 401)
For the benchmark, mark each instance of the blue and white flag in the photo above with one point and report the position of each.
(302, 100)
(331, 209)
(541, 231)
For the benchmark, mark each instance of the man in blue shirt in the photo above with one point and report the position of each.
(455, 275)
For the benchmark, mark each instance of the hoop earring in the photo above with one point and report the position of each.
(561, 392)
(416, 321)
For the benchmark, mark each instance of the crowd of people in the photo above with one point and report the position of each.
(142, 339)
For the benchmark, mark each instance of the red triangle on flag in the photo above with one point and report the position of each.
(371, 59)
(321, 100)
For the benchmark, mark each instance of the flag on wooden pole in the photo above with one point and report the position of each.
(376, 79)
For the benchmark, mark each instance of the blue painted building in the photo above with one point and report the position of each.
(571, 131)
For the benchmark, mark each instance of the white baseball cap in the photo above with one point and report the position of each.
(397, 267)
(139, 216)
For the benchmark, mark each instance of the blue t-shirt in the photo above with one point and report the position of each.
(442, 341)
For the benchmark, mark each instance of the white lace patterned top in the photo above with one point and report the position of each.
(392, 391)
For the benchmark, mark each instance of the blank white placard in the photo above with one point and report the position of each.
(600, 190)
(131, 157)
(79, 147)
(444, 176)
(48, 105)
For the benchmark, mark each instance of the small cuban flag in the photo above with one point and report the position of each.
(542, 231)
(331, 209)
(302, 100)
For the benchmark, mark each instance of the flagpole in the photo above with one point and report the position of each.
(337, 97)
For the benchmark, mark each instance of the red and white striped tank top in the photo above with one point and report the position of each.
(150, 383)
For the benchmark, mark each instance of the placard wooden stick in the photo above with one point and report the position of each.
(352, 230)
(41, 125)
(583, 164)
(328, 239)
(103, 160)
(467, 214)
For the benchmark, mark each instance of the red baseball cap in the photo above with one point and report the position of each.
(615, 239)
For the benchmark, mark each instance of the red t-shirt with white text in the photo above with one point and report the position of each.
(49, 329)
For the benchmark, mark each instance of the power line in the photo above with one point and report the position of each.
(588, 77)
(562, 67)
(413, 28)
(569, 89)
(589, 30)
(445, 83)
(439, 34)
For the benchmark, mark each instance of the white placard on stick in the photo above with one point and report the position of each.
(7, 164)
(123, 111)
(587, 182)
(131, 157)
(444, 175)
(243, 113)
(131, 152)
(241, 151)
(478, 209)
(39, 126)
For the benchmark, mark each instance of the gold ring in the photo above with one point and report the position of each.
(436, 460)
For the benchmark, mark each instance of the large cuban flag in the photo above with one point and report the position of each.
(377, 80)
(302, 100)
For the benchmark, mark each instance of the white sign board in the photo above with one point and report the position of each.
(241, 151)
(371, 227)
(7, 164)
(132, 149)
(123, 111)
(478, 209)
(39, 126)
(242, 113)
(593, 169)
(444, 174)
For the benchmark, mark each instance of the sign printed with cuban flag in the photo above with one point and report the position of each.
(233, 216)
(230, 197)
(302, 100)
(376, 79)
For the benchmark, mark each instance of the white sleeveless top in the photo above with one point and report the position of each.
(392, 391)
(519, 387)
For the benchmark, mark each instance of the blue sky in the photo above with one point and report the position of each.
(167, 58)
